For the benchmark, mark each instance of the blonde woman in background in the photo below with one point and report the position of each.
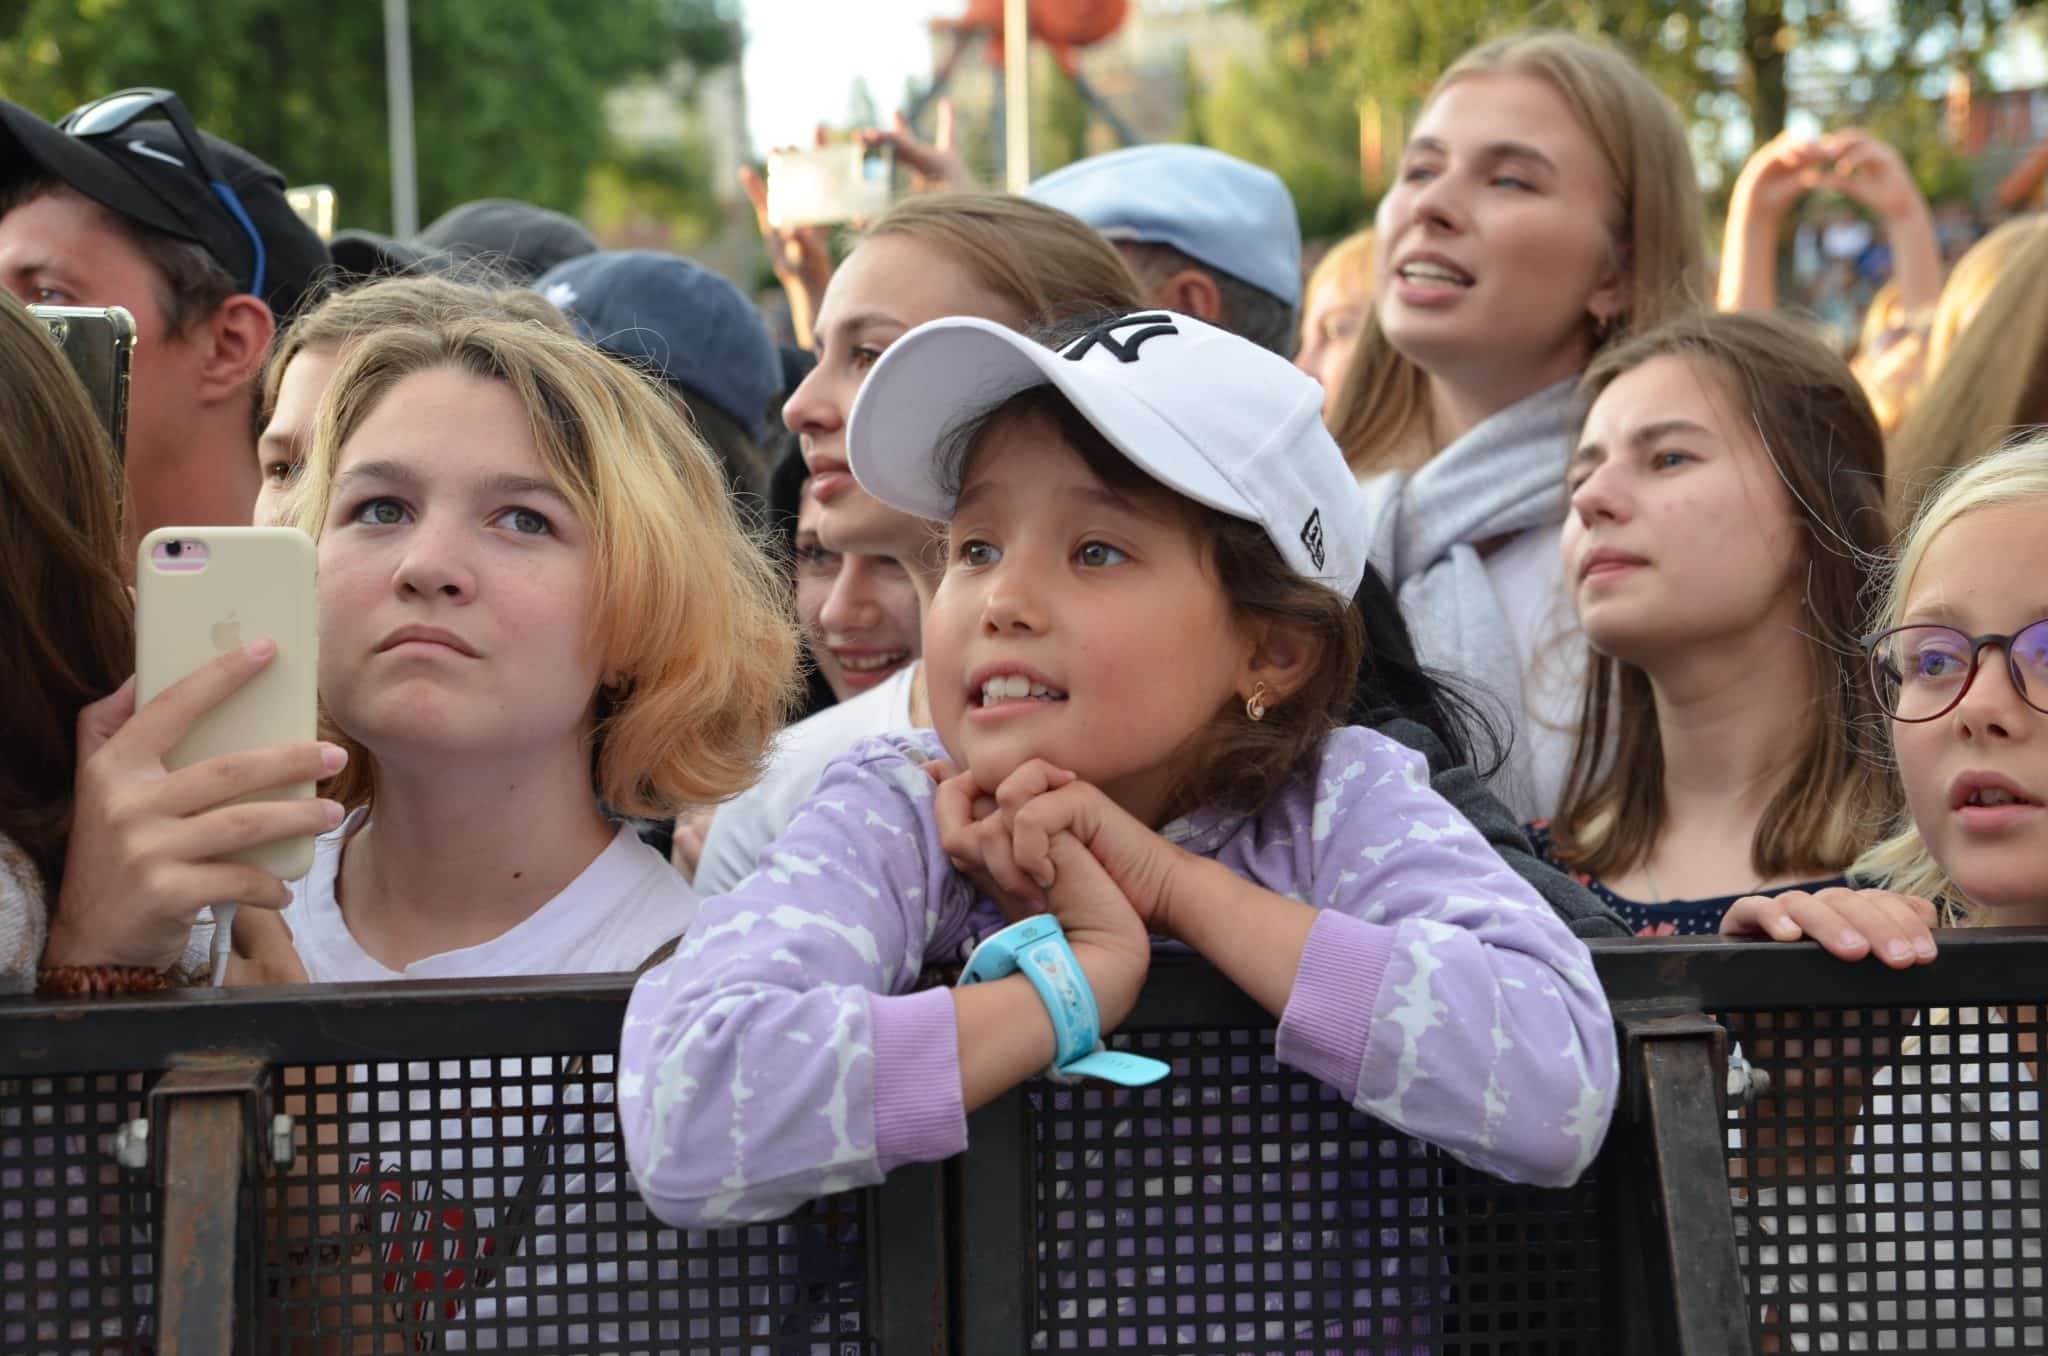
(1988, 359)
(1545, 206)
(1333, 311)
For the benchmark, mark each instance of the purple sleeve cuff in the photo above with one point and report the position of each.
(919, 1117)
(1329, 1015)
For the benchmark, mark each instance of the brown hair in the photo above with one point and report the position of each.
(1820, 434)
(1989, 378)
(1236, 763)
(66, 629)
(686, 607)
(1382, 406)
(191, 283)
(1046, 264)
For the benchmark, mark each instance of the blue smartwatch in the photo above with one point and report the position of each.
(1038, 947)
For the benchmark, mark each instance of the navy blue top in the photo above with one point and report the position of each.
(1684, 917)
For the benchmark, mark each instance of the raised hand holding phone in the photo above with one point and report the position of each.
(180, 773)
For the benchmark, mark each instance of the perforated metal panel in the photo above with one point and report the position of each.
(1240, 1206)
(1888, 1191)
(75, 1241)
(484, 1204)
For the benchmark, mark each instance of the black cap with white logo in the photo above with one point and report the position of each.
(141, 172)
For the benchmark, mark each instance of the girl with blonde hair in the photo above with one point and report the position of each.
(539, 608)
(309, 352)
(1987, 361)
(1333, 310)
(1959, 663)
(1545, 206)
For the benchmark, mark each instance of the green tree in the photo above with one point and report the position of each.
(508, 94)
(1304, 129)
(1059, 115)
(1736, 68)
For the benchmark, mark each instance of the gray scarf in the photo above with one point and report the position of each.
(1505, 476)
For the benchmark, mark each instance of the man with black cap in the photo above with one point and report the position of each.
(125, 203)
(516, 239)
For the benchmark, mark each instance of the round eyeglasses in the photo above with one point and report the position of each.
(1921, 672)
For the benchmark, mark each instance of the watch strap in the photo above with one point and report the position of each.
(1037, 947)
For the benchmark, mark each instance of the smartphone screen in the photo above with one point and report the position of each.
(828, 185)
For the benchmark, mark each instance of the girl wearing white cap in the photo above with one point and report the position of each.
(1546, 205)
(1140, 654)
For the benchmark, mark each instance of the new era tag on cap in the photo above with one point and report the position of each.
(1312, 536)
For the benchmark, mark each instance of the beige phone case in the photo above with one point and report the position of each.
(256, 582)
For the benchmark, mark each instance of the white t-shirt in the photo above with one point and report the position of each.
(627, 903)
(1949, 1241)
(465, 1145)
(1930, 1252)
(754, 819)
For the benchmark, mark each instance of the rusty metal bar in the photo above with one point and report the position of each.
(208, 1156)
(1676, 1069)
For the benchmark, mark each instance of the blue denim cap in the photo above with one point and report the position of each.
(1212, 207)
(679, 320)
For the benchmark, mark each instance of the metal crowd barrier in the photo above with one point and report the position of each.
(434, 1166)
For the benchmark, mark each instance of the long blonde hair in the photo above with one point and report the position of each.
(1383, 405)
(1821, 436)
(686, 610)
(1987, 362)
(2014, 474)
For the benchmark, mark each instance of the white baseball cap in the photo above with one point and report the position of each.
(1205, 413)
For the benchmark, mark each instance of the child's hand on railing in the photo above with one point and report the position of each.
(1047, 841)
(977, 841)
(1850, 924)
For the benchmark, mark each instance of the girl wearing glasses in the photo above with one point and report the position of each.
(1960, 666)
(1725, 496)
(1948, 1142)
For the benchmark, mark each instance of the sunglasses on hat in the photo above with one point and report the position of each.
(123, 108)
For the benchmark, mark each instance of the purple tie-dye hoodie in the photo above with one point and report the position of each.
(780, 1055)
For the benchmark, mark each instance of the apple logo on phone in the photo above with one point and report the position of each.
(227, 634)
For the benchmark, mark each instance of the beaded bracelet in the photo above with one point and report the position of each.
(79, 981)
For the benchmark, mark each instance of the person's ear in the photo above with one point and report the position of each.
(1612, 293)
(237, 339)
(1282, 658)
(1190, 292)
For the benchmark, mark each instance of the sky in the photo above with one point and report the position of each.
(803, 56)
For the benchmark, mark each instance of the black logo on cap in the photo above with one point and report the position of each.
(1312, 536)
(1126, 350)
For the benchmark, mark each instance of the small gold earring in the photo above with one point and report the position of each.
(1255, 705)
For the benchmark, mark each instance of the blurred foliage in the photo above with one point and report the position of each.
(1736, 68)
(508, 94)
(1304, 129)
